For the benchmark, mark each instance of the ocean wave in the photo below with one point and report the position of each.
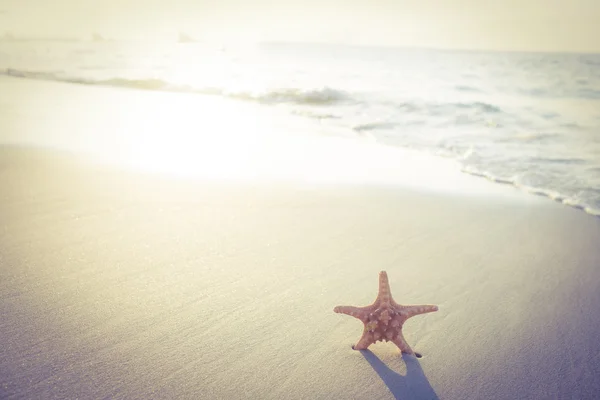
(568, 200)
(583, 93)
(320, 96)
(531, 137)
(30, 74)
(315, 115)
(558, 160)
(312, 96)
(549, 115)
(444, 109)
(591, 94)
(373, 126)
(480, 106)
(465, 88)
(149, 84)
(404, 107)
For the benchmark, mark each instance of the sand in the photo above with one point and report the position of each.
(117, 283)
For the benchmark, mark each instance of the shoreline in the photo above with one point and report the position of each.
(374, 166)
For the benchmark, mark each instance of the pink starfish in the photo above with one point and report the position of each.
(384, 318)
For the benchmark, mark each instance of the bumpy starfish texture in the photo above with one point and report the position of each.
(384, 318)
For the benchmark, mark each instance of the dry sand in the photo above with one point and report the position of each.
(123, 285)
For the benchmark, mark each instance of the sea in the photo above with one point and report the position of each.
(530, 120)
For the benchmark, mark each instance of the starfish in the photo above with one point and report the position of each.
(384, 318)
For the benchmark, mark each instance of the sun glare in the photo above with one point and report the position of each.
(199, 137)
(216, 139)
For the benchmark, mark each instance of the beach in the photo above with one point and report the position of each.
(120, 281)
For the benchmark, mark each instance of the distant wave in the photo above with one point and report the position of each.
(374, 126)
(315, 115)
(589, 93)
(531, 137)
(322, 96)
(558, 160)
(582, 93)
(478, 105)
(318, 96)
(465, 88)
(445, 109)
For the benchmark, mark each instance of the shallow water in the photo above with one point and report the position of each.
(529, 120)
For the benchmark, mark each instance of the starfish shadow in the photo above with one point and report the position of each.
(414, 385)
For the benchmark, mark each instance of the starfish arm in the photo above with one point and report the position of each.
(411, 311)
(385, 294)
(402, 344)
(356, 312)
(365, 341)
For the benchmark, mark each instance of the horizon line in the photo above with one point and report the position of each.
(10, 37)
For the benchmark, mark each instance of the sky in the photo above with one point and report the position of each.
(519, 25)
